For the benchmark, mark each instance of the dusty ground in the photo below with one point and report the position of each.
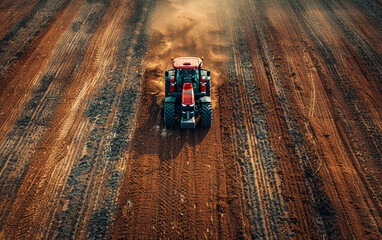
(294, 151)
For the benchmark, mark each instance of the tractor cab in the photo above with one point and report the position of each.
(187, 70)
(187, 75)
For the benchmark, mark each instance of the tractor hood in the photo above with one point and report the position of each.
(188, 94)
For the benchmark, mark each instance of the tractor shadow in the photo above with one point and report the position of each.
(152, 138)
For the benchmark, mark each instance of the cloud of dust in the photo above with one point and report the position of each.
(187, 28)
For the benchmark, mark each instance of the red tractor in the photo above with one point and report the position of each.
(188, 93)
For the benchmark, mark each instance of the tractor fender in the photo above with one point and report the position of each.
(170, 99)
(205, 99)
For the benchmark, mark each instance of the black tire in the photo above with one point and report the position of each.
(206, 115)
(208, 88)
(167, 88)
(169, 115)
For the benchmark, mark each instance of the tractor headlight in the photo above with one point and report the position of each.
(186, 105)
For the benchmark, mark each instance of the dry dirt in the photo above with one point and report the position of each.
(295, 147)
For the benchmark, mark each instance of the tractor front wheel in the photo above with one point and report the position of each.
(206, 115)
(169, 115)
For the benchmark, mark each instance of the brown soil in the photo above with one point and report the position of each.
(293, 152)
(12, 12)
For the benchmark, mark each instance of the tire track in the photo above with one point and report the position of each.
(99, 170)
(266, 206)
(17, 148)
(15, 41)
(12, 11)
(69, 134)
(366, 53)
(270, 120)
(371, 9)
(322, 207)
(342, 181)
(15, 89)
(175, 185)
(356, 125)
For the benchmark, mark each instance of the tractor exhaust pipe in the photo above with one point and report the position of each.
(200, 69)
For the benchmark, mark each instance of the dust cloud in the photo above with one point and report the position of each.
(184, 29)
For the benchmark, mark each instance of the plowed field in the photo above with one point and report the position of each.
(295, 147)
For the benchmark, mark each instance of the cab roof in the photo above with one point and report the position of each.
(186, 62)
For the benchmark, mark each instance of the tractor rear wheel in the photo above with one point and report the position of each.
(208, 88)
(206, 115)
(169, 115)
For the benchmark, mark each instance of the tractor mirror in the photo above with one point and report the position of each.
(208, 73)
(166, 74)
